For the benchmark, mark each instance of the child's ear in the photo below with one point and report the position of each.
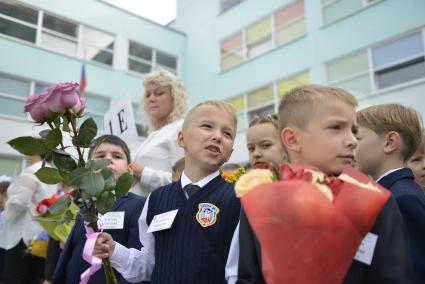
(392, 142)
(180, 140)
(130, 168)
(289, 137)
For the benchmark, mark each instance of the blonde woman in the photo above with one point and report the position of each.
(165, 105)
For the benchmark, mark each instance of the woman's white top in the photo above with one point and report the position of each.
(23, 196)
(157, 154)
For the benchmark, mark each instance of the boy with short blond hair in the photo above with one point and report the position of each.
(193, 247)
(318, 126)
(389, 135)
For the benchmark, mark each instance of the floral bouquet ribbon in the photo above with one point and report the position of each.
(309, 225)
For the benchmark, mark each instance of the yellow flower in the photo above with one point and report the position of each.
(251, 179)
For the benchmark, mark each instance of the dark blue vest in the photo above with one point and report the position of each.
(189, 252)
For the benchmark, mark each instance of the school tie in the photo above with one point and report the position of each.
(191, 189)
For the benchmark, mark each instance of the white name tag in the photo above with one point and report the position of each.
(112, 220)
(366, 249)
(162, 221)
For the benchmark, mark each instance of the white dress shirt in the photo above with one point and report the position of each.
(157, 154)
(137, 265)
(23, 196)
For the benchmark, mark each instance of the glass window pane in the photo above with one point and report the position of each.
(19, 12)
(398, 50)
(227, 4)
(39, 87)
(401, 74)
(17, 30)
(288, 14)
(339, 9)
(291, 32)
(258, 31)
(139, 66)
(97, 103)
(231, 59)
(238, 103)
(231, 44)
(10, 166)
(261, 112)
(241, 121)
(140, 51)
(59, 43)
(359, 86)
(12, 107)
(103, 56)
(286, 85)
(95, 38)
(260, 47)
(348, 67)
(14, 86)
(166, 60)
(59, 25)
(260, 96)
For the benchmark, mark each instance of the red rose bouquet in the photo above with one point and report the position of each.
(309, 225)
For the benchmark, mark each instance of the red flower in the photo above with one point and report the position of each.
(46, 203)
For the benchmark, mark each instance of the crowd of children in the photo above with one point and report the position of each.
(194, 229)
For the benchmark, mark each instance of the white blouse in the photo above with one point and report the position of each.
(157, 154)
(23, 196)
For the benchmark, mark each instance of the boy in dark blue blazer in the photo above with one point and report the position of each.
(71, 263)
(388, 136)
(186, 227)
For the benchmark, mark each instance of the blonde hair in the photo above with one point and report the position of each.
(394, 117)
(270, 118)
(217, 104)
(297, 105)
(165, 78)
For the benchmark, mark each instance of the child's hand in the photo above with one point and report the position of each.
(136, 170)
(104, 246)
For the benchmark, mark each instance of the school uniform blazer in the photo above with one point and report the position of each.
(71, 263)
(391, 263)
(411, 201)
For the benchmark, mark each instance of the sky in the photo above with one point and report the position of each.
(160, 11)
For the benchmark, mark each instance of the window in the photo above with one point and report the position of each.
(96, 106)
(231, 51)
(59, 34)
(262, 36)
(285, 85)
(166, 61)
(259, 37)
(227, 4)
(13, 95)
(399, 61)
(260, 102)
(352, 74)
(290, 23)
(97, 46)
(336, 9)
(239, 104)
(141, 59)
(18, 21)
(10, 166)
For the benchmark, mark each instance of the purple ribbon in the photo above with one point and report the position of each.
(94, 261)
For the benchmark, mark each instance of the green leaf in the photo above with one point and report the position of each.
(68, 216)
(64, 163)
(105, 201)
(124, 183)
(96, 165)
(53, 139)
(88, 131)
(106, 172)
(65, 177)
(76, 176)
(43, 133)
(89, 217)
(92, 183)
(48, 175)
(110, 183)
(27, 145)
(60, 205)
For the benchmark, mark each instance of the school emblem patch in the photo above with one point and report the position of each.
(207, 214)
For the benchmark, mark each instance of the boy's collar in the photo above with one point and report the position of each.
(185, 180)
(387, 173)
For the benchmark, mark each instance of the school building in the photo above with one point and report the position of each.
(248, 52)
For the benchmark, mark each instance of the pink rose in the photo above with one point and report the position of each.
(63, 96)
(37, 107)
